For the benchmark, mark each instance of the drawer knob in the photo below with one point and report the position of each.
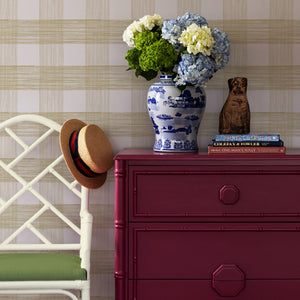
(229, 194)
(228, 280)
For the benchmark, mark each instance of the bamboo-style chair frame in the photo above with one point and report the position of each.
(83, 247)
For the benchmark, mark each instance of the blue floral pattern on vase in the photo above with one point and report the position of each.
(175, 115)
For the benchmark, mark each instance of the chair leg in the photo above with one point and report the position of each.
(85, 294)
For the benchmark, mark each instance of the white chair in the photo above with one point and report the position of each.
(42, 265)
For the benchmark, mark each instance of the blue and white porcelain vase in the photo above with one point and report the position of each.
(175, 115)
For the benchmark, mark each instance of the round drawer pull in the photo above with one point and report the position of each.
(228, 280)
(229, 194)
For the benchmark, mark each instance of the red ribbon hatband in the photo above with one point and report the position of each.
(81, 166)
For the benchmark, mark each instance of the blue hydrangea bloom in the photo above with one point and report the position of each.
(172, 29)
(195, 70)
(188, 19)
(221, 49)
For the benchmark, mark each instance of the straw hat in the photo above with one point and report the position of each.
(87, 152)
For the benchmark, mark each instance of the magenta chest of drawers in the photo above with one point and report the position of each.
(211, 227)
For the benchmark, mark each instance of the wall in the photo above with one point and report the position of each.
(65, 59)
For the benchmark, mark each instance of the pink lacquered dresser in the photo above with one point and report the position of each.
(209, 227)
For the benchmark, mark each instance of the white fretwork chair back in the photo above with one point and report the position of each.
(29, 246)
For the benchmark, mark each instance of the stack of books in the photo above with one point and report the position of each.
(247, 143)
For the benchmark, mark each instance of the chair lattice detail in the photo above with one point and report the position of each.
(29, 186)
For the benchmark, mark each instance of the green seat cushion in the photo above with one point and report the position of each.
(40, 266)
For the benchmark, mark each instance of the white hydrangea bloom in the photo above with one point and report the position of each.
(137, 27)
(128, 38)
(150, 21)
(131, 31)
(144, 24)
(197, 39)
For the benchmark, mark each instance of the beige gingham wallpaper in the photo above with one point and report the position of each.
(65, 59)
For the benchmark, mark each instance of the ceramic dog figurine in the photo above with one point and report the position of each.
(235, 115)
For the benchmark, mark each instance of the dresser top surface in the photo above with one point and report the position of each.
(137, 154)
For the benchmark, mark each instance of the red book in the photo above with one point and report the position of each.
(248, 150)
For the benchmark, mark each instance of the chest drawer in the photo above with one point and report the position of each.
(196, 251)
(202, 289)
(199, 192)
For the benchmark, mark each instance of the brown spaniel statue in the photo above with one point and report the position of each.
(235, 114)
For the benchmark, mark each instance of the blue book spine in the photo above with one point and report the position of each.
(247, 144)
(247, 137)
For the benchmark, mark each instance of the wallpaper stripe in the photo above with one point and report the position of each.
(192, 6)
(116, 77)
(110, 31)
(8, 9)
(281, 9)
(138, 124)
(234, 9)
(140, 8)
(50, 9)
(96, 9)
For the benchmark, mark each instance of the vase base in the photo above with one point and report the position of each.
(176, 151)
(175, 145)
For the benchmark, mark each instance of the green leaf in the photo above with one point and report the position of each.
(181, 87)
(148, 75)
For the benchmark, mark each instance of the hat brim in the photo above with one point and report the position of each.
(66, 130)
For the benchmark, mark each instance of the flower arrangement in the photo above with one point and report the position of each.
(184, 47)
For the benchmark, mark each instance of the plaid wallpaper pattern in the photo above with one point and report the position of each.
(65, 59)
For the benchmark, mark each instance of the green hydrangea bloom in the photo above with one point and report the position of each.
(133, 61)
(160, 56)
(133, 58)
(145, 39)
